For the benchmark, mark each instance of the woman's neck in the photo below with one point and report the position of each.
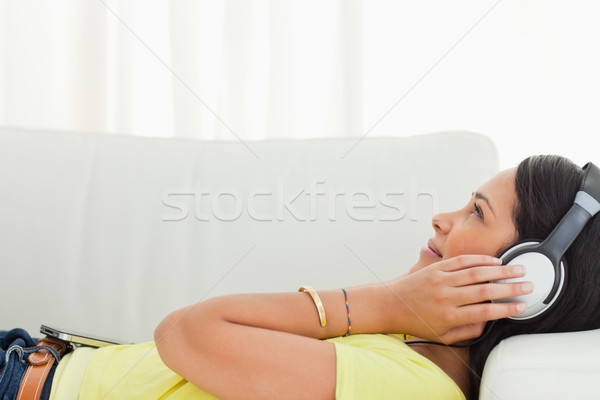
(453, 361)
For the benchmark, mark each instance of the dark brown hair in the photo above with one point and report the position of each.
(545, 188)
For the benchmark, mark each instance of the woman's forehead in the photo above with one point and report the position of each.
(500, 190)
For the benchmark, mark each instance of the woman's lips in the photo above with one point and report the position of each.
(431, 250)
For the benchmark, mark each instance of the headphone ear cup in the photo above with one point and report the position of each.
(539, 270)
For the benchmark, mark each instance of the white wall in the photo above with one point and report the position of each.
(523, 72)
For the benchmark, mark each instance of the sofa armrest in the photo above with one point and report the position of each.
(543, 366)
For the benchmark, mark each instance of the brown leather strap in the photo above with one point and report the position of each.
(40, 364)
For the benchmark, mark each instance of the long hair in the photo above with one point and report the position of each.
(545, 188)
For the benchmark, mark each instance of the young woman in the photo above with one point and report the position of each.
(271, 346)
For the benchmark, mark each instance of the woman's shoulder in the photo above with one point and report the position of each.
(383, 366)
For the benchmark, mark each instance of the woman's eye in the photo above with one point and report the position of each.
(477, 210)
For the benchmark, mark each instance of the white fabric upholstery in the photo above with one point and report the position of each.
(545, 366)
(87, 244)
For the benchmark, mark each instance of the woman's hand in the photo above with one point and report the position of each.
(448, 301)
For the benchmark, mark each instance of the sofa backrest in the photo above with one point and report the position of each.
(107, 234)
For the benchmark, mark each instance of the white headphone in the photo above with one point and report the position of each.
(544, 260)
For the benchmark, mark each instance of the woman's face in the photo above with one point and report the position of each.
(484, 226)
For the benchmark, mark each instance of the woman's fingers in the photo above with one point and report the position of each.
(491, 291)
(467, 261)
(452, 296)
(474, 275)
(476, 313)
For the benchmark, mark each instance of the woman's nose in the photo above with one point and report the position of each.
(441, 223)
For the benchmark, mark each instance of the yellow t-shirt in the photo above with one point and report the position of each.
(368, 367)
(384, 367)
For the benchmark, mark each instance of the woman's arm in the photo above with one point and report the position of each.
(236, 361)
(263, 345)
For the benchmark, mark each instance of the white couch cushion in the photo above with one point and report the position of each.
(93, 235)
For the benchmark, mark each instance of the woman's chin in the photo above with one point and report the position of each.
(423, 262)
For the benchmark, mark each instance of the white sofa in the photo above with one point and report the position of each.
(107, 234)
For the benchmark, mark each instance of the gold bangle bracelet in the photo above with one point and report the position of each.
(318, 303)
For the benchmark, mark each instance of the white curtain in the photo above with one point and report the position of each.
(520, 71)
(203, 69)
(74, 65)
(257, 69)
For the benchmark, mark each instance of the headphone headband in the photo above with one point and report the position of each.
(585, 206)
(591, 181)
